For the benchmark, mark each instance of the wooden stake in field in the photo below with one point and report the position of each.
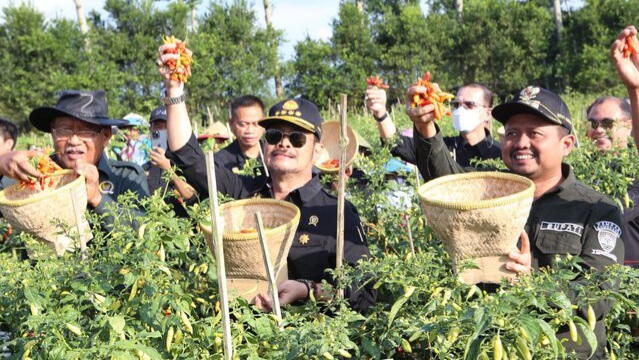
(272, 285)
(217, 228)
(84, 254)
(341, 185)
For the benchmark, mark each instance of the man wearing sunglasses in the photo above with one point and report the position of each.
(293, 133)
(609, 125)
(471, 118)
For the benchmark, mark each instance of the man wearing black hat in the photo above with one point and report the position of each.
(81, 129)
(292, 146)
(538, 134)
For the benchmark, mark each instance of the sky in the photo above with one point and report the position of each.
(296, 18)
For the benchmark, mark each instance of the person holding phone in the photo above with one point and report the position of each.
(159, 164)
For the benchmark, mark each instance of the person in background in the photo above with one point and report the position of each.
(214, 137)
(9, 132)
(628, 69)
(160, 164)
(471, 118)
(137, 145)
(609, 123)
(538, 135)
(246, 111)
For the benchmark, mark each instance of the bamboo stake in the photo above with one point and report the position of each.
(78, 223)
(272, 285)
(263, 163)
(217, 227)
(341, 184)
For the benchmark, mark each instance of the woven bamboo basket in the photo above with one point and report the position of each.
(478, 216)
(41, 213)
(245, 270)
(330, 140)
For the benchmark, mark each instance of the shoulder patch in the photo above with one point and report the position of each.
(607, 233)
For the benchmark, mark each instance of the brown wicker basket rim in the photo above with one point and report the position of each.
(482, 204)
(42, 195)
(206, 227)
(352, 139)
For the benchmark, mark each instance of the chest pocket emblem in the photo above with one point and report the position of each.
(106, 187)
(304, 238)
(313, 220)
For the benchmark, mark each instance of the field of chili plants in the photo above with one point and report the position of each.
(151, 293)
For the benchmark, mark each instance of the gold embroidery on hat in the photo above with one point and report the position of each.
(304, 238)
(290, 105)
(298, 114)
(528, 93)
(277, 113)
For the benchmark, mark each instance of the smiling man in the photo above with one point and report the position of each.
(567, 217)
(81, 128)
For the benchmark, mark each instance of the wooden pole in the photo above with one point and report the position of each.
(410, 234)
(341, 185)
(263, 163)
(217, 228)
(272, 285)
(84, 254)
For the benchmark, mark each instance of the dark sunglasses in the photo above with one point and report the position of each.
(470, 105)
(274, 136)
(605, 123)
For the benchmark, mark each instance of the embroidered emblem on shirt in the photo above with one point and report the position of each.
(607, 234)
(304, 239)
(313, 220)
(562, 227)
(106, 187)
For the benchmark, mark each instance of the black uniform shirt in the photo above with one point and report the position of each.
(233, 158)
(314, 246)
(488, 148)
(571, 219)
(630, 221)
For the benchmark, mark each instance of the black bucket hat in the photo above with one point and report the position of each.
(299, 112)
(537, 101)
(87, 106)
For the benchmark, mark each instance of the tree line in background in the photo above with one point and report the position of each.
(505, 44)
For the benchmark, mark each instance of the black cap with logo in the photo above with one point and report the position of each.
(299, 112)
(537, 101)
(159, 113)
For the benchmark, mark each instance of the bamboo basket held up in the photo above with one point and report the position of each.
(478, 216)
(330, 140)
(245, 269)
(40, 212)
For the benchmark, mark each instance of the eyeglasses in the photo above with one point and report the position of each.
(274, 136)
(606, 123)
(64, 134)
(470, 105)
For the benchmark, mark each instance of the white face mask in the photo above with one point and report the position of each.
(465, 120)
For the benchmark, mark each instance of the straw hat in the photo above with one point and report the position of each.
(40, 212)
(245, 270)
(215, 130)
(330, 139)
(478, 216)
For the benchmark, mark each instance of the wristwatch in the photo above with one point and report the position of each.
(309, 287)
(173, 100)
(380, 119)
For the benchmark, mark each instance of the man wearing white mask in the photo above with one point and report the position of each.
(471, 118)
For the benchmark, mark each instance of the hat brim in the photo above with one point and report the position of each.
(209, 136)
(505, 111)
(269, 121)
(41, 118)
